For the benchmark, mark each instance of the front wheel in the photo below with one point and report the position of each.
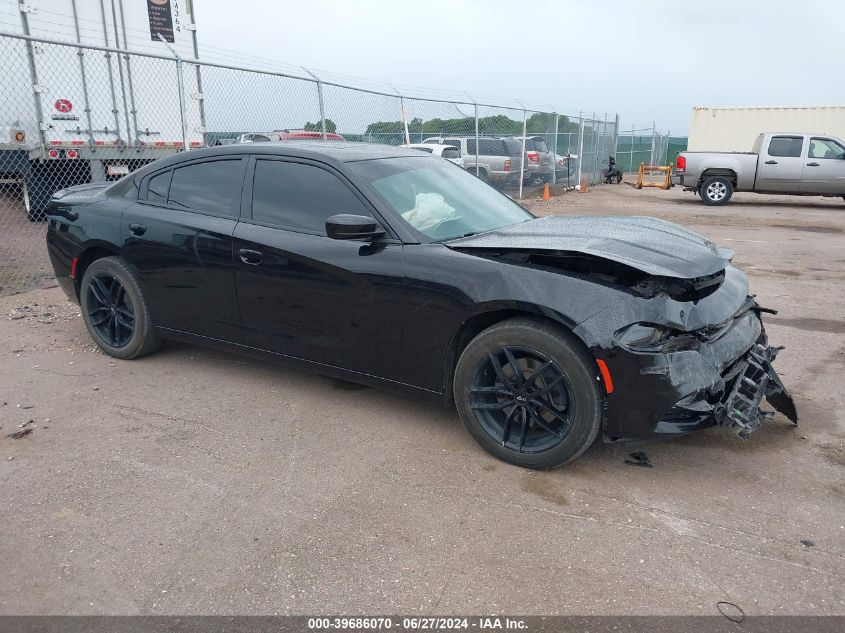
(716, 190)
(115, 311)
(527, 391)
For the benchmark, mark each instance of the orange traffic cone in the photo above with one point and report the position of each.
(546, 194)
(583, 188)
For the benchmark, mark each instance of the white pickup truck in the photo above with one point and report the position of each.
(795, 164)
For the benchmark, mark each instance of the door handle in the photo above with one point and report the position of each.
(250, 257)
(812, 164)
(137, 229)
(771, 162)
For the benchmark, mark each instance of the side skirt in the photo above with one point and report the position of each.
(307, 365)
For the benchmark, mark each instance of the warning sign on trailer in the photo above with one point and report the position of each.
(63, 111)
(161, 20)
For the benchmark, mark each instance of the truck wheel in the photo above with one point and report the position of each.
(716, 190)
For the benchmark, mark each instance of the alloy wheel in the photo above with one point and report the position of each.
(716, 191)
(110, 311)
(522, 399)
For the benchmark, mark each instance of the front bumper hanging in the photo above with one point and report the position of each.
(753, 379)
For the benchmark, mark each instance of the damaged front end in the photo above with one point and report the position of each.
(669, 318)
(712, 375)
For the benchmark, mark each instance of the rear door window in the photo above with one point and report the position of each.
(451, 153)
(786, 146)
(211, 187)
(300, 197)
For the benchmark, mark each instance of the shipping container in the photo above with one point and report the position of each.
(92, 114)
(735, 129)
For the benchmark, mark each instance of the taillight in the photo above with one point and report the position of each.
(54, 153)
(73, 264)
(507, 164)
(534, 157)
(71, 153)
(681, 164)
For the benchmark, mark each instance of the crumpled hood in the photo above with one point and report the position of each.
(655, 247)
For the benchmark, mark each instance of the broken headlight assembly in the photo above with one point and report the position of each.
(647, 337)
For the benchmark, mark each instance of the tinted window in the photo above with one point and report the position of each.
(453, 142)
(157, 190)
(300, 197)
(471, 146)
(826, 148)
(451, 153)
(211, 187)
(540, 145)
(788, 146)
(513, 147)
(492, 147)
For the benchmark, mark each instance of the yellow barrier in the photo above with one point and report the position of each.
(647, 170)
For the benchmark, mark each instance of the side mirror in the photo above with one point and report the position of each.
(353, 227)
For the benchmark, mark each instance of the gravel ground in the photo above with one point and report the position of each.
(197, 482)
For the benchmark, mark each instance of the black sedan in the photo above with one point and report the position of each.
(398, 270)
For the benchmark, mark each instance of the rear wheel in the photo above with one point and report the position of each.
(528, 393)
(115, 311)
(716, 190)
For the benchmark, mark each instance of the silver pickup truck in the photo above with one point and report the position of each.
(796, 164)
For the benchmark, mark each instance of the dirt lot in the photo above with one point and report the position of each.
(196, 482)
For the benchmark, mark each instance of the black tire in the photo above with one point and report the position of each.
(111, 335)
(482, 174)
(573, 371)
(716, 190)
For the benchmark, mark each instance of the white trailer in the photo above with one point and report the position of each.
(86, 110)
(735, 129)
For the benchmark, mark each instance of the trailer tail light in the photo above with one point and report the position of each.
(54, 153)
(507, 164)
(20, 136)
(681, 164)
(534, 157)
(71, 153)
(73, 264)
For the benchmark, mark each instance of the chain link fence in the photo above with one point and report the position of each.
(642, 145)
(74, 113)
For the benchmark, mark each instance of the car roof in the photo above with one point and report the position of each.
(327, 151)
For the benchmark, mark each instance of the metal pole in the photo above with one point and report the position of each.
(615, 135)
(653, 132)
(33, 76)
(107, 55)
(580, 147)
(522, 161)
(632, 148)
(133, 111)
(81, 56)
(120, 75)
(200, 96)
(320, 100)
(477, 141)
(180, 87)
(554, 159)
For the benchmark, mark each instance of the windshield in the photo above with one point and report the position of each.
(439, 199)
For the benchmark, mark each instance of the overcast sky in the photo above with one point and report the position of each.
(648, 61)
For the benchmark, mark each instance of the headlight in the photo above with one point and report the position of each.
(645, 337)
